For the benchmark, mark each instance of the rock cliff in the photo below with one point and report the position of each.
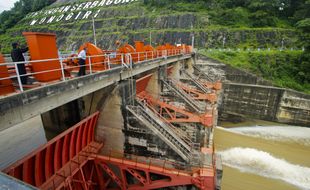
(131, 20)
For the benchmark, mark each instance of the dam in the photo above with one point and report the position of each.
(132, 94)
(138, 119)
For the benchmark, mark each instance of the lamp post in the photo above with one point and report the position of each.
(94, 31)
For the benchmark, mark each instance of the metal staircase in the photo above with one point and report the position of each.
(197, 83)
(172, 136)
(209, 77)
(170, 84)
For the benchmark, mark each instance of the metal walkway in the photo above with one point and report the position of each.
(200, 73)
(170, 84)
(196, 82)
(172, 136)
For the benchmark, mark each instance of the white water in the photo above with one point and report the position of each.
(263, 164)
(299, 135)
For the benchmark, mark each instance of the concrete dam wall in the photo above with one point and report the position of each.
(247, 95)
(267, 103)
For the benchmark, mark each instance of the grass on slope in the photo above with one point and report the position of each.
(283, 68)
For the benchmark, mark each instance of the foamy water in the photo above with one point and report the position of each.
(263, 164)
(299, 135)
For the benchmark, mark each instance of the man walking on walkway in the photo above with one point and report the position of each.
(82, 61)
(17, 56)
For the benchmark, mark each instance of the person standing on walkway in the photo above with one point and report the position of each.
(17, 56)
(82, 61)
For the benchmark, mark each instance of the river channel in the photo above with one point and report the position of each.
(262, 155)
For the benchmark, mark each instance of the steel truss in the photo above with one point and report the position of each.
(175, 114)
(71, 161)
(197, 94)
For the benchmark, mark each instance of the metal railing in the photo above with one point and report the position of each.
(177, 166)
(197, 82)
(172, 85)
(176, 130)
(166, 133)
(66, 68)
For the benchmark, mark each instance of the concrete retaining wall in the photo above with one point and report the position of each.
(266, 102)
(247, 95)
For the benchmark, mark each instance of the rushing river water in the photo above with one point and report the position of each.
(264, 157)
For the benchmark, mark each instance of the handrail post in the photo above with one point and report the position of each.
(62, 70)
(122, 60)
(138, 57)
(18, 78)
(109, 66)
(130, 60)
(90, 67)
(152, 54)
(108, 60)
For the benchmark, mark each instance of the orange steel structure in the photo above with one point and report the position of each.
(71, 161)
(197, 94)
(139, 52)
(150, 52)
(149, 174)
(43, 46)
(174, 114)
(214, 85)
(6, 85)
(142, 83)
(97, 60)
(47, 67)
(42, 164)
(169, 70)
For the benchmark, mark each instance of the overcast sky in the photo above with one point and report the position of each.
(6, 4)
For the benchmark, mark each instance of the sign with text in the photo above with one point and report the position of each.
(74, 11)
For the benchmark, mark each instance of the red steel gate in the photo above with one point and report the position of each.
(71, 161)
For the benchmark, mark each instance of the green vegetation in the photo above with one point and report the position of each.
(283, 68)
(254, 18)
(21, 8)
(243, 24)
(241, 13)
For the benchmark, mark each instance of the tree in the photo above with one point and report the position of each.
(21, 8)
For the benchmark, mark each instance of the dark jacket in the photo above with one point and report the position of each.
(17, 54)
